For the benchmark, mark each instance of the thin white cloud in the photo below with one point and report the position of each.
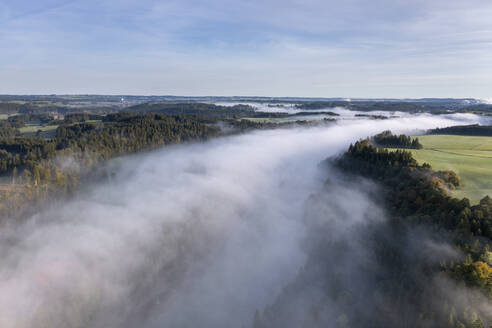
(251, 47)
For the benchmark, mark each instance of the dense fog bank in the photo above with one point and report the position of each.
(195, 235)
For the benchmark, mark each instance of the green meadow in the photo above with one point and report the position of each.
(470, 157)
(6, 116)
(30, 130)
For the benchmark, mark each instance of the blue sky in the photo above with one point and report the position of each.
(352, 48)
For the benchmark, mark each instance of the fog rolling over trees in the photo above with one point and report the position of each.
(205, 235)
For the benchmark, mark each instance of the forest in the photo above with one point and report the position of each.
(389, 106)
(417, 196)
(204, 110)
(33, 166)
(389, 140)
(38, 165)
(465, 130)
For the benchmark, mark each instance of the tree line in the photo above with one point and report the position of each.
(465, 130)
(117, 134)
(389, 140)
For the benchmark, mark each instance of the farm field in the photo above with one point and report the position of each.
(47, 131)
(6, 116)
(470, 157)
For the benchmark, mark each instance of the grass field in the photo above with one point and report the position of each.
(47, 131)
(470, 157)
(6, 116)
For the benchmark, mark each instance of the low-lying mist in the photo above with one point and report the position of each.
(194, 235)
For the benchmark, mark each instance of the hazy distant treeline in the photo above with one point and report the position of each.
(465, 130)
(203, 110)
(62, 104)
(366, 106)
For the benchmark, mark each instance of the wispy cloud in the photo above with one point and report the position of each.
(266, 47)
